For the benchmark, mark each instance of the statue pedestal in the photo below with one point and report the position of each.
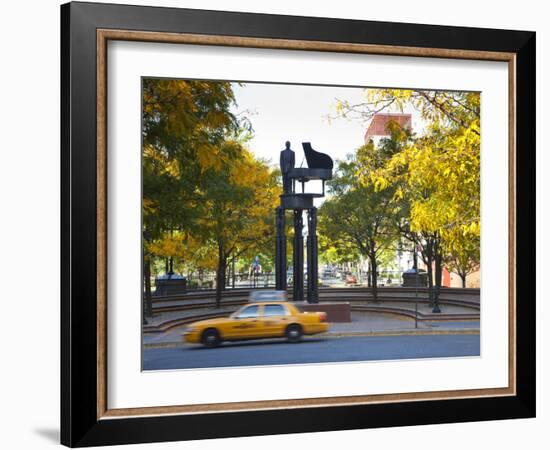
(297, 201)
(336, 312)
(320, 169)
(412, 278)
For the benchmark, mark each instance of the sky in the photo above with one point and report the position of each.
(298, 113)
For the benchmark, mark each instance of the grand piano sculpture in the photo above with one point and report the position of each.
(297, 200)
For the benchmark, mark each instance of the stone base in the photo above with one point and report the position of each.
(413, 279)
(170, 286)
(336, 312)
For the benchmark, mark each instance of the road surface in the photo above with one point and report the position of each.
(312, 350)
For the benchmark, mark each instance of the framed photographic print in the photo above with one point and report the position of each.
(277, 224)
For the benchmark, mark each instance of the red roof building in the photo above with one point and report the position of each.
(379, 124)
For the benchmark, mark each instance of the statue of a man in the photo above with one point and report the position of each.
(287, 164)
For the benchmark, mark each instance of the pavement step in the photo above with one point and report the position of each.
(412, 314)
(190, 306)
(450, 293)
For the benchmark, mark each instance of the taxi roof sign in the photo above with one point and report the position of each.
(267, 296)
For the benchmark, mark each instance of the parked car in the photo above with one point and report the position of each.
(350, 279)
(258, 320)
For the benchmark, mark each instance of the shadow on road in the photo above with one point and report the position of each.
(239, 344)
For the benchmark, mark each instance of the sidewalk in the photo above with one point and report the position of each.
(363, 323)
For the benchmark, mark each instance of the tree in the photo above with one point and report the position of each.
(358, 215)
(437, 174)
(238, 203)
(183, 123)
(335, 251)
(462, 253)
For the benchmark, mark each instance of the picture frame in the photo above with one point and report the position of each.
(86, 28)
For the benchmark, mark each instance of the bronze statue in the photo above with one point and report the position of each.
(287, 164)
(315, 159)
(319, 168)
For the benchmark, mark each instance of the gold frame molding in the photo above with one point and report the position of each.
(103, 36)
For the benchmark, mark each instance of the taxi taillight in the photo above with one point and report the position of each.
(322, 317)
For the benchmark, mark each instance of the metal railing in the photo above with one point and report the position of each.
(267, 280)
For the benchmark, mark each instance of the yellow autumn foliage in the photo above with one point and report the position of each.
(437, 174)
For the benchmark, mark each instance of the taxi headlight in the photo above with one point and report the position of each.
(190, 329)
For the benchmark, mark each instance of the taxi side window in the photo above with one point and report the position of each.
(251, 311)
(274, 310)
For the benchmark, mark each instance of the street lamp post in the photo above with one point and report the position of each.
(436, 308)
(415, 266)
(233, 272)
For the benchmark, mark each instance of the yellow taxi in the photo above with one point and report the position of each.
(257, 320)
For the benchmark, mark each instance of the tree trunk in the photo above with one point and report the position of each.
(233, 272)
(148, 302)
(369, 277)
(463, 278)
(428, 257)
(220, 274)
(374, 268)
(438, 260)
(227, 278)
(430, 283)
(429, 264)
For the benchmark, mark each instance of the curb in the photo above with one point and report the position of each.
(423, 332)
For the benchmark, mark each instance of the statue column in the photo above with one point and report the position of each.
(312, 255)
(280, 251)
(298, 257)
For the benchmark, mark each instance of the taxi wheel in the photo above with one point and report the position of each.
(210, 338)
(293, 333)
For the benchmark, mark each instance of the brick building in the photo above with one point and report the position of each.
(378, 127)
